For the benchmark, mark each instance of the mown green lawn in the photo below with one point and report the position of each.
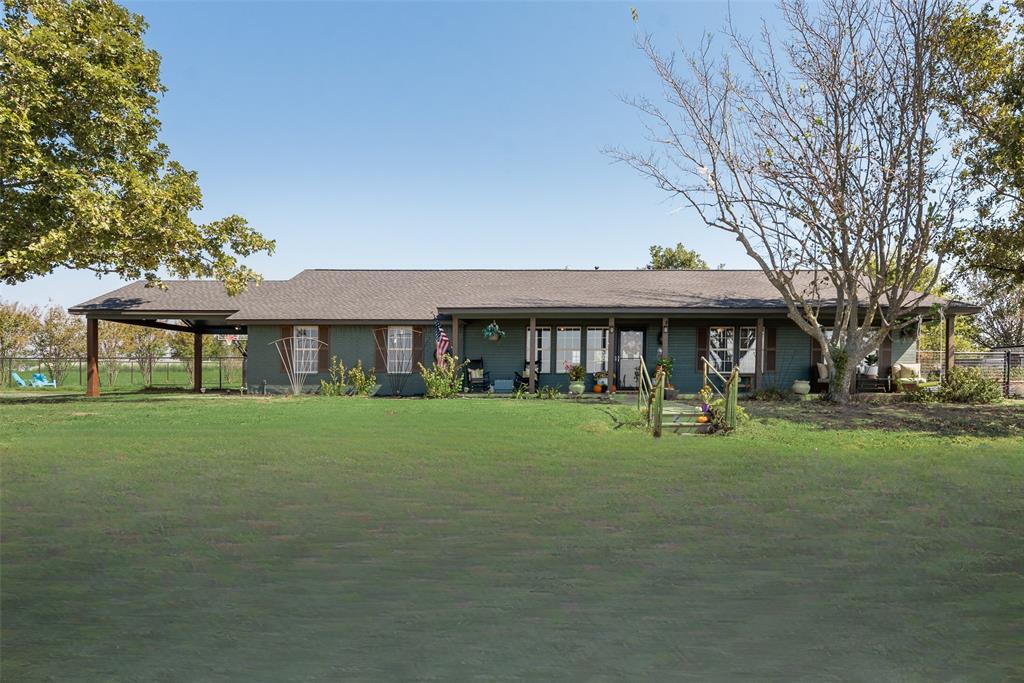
(179, 538)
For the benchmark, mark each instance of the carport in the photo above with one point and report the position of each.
(198, 307)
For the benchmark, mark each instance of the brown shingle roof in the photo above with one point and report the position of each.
(416, 295)
(179, 296)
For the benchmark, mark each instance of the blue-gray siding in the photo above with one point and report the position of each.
(502, 359)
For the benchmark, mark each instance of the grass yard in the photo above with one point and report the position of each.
(180, 538)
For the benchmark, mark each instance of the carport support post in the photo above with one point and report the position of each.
(92, 353)
(950, 359)
(197, 362)
(534, 366)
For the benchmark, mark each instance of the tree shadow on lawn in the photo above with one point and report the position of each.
(43, 396)
(1000, 420)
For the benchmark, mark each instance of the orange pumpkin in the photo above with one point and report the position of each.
(597, 388)
(701, 419)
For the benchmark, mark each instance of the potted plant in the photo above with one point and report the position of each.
(871, 369)
(705, 398)
(665, 364)
(493, 332)
(577, 378)
(801, 387)
(600, 382)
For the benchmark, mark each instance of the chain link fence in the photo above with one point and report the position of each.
(222, 372)
(1006, 367)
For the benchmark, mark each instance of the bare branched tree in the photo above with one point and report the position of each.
(818, 150)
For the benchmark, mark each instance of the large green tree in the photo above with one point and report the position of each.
(85, 182)
(983, 49)
(675, 258)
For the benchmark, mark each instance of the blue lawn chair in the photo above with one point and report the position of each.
(39, 380)
(18, 380)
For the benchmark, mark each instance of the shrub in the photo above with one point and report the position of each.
(335, 386)
(363, 383)
(444, 379)
(921, 396)
(768, 394)
(969, 385)
(547, 393)
(718, 415)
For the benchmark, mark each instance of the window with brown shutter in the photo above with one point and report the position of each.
(770, 335)
(324, 351)
(702, 347)
(286, 351)
(380, 338)
(417, 347)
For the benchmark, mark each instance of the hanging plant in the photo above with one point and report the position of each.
(493, 332)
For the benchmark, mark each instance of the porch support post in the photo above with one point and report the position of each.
(950, 359)
(92, 353)
(532, 357)
(611, 353)
(664, 337)
(455, 338)
(759, 355)
(197, 362)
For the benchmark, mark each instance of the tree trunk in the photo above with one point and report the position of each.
(839, 388)
(843, 372)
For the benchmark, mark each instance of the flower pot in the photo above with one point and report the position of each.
(801, 387)
(871, 371)
(494, 337)
(577, 387)
(705, 407)
(671, 394)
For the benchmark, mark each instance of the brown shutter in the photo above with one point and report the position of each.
(770, 337)
(885, 357)
(323, 360)
(702, 347)
(417, 347)
(380, 338)
(286, 352)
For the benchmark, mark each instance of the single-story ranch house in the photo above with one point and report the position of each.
(605, 320)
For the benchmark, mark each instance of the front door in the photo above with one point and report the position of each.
(631, 350)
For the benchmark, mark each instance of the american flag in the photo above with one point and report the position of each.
(442, 339)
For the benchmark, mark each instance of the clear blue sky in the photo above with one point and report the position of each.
(424, 135)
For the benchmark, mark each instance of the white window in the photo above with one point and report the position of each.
(543, 351)
(399, 350)
(567, 347)
(720, 347)
(307, 349)
(748, 349)
(597, 349)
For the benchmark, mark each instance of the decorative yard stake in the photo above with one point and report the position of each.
(299, 358)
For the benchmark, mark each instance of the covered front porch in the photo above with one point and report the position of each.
(769, 351)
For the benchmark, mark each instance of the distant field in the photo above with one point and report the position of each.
(216, 538)
(166, 373)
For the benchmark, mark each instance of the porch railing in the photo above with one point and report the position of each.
(730, 390)
(650, 397)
